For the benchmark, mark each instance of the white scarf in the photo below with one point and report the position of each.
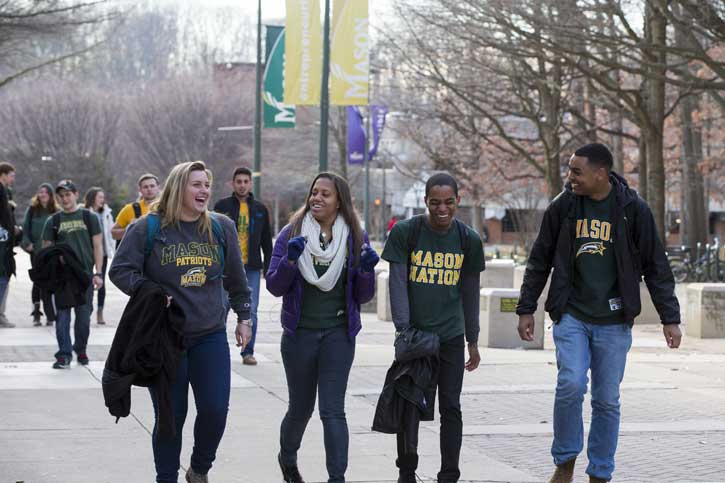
(335, 254)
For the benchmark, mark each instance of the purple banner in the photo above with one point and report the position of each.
(355, 136)
(356, 132)
(378, 120)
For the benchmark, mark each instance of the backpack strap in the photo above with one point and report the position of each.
(136, 209)
(218, 230)
(30, 224)
(463, 235)
(414, 235)
(152, 229)
(55, 223)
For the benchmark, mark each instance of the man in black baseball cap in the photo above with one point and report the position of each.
(65, 184)
(80, 230)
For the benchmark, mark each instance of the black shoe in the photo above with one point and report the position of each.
(290, 473)
(407, 479)
(61, 363)
(83, 359)
(49, 323)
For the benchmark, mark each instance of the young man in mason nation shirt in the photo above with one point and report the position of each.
(435, 262)
(600, 238)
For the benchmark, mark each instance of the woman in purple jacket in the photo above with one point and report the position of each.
(323, 267)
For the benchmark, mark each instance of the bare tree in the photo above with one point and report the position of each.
(56, 129)
(40, 33)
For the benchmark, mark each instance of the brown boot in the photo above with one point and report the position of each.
(594, 479)
(564, 472)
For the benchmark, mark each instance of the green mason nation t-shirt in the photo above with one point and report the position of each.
(595, 297)
(434, 274)
(323, 310)
(74, 233)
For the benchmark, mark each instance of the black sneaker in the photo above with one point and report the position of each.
(83, 359)
(61, 363)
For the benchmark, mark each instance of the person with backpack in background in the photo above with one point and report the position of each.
(95, 201)
(78, 230)
(193, 255)
(42, 206)
(8, 236)
(255, 235)
(148, 189)
(323, 268)
(435, 264)
(600, 238)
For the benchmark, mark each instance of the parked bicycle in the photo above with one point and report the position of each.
(706, 267)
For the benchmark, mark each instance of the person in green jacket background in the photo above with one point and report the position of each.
(42, 206)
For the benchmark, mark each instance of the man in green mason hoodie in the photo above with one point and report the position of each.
(82, 233)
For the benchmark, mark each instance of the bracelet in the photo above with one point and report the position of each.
(100, 275)
(243, 322)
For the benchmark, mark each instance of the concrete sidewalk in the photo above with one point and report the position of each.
(54, 426)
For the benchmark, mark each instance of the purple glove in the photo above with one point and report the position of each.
(368, 258)
(295, 247)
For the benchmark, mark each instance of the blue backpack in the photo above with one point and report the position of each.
(154, 225)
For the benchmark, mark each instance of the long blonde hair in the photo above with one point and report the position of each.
(169, 204)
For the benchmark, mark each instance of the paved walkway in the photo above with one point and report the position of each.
(55, 428)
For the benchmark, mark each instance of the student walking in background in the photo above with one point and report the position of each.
(42, 206)
(75, 235)
(8, 234)
(323, 267)
(148, 190)
(255, 235)
(96, 202)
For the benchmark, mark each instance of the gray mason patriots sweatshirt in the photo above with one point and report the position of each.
(188, 267)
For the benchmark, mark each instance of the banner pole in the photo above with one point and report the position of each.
(258, 110)
(325, 91)
(366, 161)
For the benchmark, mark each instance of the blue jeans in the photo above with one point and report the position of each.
(317, 361)
(253, 280)
(206, 366)
(81, 328)
(4, 281)
(581, 346)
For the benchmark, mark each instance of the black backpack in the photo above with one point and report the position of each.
(136, 209)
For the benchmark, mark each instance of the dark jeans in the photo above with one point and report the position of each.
(102, 290)
(38, 295)
(317, 361)
(81, 328)
(253, 281)
(206, 366)
(450, 382)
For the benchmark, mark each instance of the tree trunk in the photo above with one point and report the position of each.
(692, 214)
(642, 170)
(618, 141)
(655, 102)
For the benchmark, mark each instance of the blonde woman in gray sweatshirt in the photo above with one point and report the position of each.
(194, 256)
